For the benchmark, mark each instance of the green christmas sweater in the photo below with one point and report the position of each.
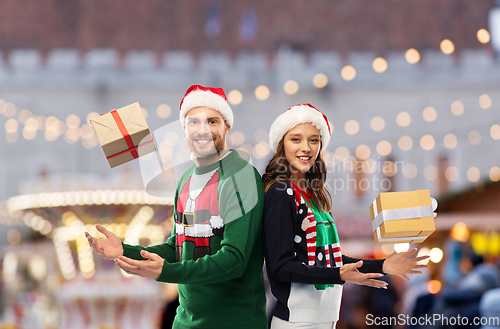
(215, 252)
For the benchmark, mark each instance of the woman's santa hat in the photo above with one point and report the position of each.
(297, 114)
(213, 98)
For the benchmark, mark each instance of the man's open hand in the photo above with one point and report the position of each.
(108, 248)
(150, 268)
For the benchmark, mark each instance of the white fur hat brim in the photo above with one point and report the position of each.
(294, 116)
(201, 98)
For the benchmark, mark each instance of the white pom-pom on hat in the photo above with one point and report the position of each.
(213, 98)
(297, 114)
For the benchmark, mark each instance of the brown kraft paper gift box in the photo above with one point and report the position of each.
(123, 134)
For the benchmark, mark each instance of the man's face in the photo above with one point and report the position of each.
(205, 132)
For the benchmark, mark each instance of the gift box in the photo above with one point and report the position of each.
(123, 134)
(399, 217)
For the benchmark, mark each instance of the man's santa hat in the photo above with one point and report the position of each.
(213, 98)
(297, 114)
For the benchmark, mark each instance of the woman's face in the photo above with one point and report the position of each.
(302, 145)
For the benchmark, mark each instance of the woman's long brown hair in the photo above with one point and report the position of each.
(278, 169)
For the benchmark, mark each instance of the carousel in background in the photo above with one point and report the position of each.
(54, 280)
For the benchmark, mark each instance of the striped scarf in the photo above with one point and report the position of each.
(321, 236)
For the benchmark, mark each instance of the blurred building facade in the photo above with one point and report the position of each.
(344, 26)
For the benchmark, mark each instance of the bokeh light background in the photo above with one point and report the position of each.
(411, 90)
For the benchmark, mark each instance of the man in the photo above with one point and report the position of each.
(215, 253)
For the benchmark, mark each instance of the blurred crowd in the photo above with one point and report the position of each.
(470, 290)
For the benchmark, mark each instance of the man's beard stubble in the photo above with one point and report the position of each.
(218, 142)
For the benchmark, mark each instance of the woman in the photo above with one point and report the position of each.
(304, 262)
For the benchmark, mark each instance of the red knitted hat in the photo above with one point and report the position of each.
(213, 98)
